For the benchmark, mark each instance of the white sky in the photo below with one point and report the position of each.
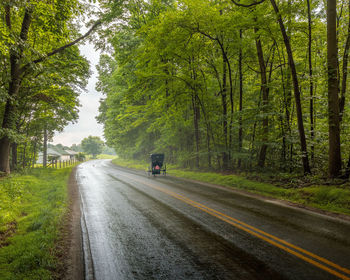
(89, 100)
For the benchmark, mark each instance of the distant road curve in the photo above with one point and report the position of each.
(139, 227)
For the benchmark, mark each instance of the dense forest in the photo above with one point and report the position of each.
(225, 85)
(229, 84)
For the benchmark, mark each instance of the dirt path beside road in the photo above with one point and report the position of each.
(69, 246)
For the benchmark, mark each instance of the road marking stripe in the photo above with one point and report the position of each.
(259, 233)
(274, 237)
(268, 240)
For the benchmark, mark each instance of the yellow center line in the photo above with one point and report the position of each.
(267, 234)
(259, 233)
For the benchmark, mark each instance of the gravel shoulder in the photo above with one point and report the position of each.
(69, 246)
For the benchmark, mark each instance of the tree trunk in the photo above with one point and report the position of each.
(284, 109)
(288, 108)
(228, 149)
(45, 148)
(265, 96)
(34, 154)
(5, 154)
(334, 157)
(312, 133)
(24, 157)
(196, 111)
(208, 147)
(305, 158)
(14, 156)
(345, 71)
(196, 117)
(5, 142)
(240, 131)
(9, 118)
(224, 115)
(344, 80)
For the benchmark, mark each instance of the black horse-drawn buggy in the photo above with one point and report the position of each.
(157, 165)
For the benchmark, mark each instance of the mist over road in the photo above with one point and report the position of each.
(139, 227)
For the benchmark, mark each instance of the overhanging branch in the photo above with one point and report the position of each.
(60, 49)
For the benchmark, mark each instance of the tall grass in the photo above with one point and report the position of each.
(31, 209)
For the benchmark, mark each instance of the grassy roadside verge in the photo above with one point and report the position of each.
(31, 209)
(104, 156)
(330, 198)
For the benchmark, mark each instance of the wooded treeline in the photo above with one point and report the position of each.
(41, 74)
(229, 84)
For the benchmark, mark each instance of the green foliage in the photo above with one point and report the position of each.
(329, 197)
(172, 83)
(92, 145)
(48, 89)
(106, 156)
(135, 164)
(80, 156)
(35, 204)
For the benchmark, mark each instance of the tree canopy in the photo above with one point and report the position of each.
(42, 74)
(213, 84)
(228, 84)
(92, 145)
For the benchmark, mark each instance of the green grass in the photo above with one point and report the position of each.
(103, 156)
(31, 209)
(140, 165)
(330, 198)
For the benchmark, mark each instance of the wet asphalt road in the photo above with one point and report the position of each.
(135, 227)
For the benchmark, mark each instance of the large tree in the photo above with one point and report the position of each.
(334, 163)
(36, 30)
(92, 145)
